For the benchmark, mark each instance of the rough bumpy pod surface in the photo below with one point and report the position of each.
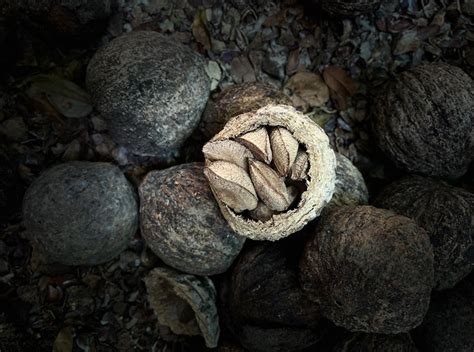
(349, 7)
(424, 118)
(81, 213)
(263, 304)
(321, 172)
(446, 213)
(182, 224)
(185, 303)
(360, 342)
(235, 100)
(370, 269)
(449, 323)
(151, 89)
(350, 185)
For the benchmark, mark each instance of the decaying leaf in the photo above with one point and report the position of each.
(309, 87)
(65, 96)
(200, 30)
(63, 342)
(341, 86)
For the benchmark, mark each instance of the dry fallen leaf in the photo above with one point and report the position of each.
(341, 86)
(200, 30)
(309, 87)
(63, 342)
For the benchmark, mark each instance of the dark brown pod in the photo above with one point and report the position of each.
(263, 304)
(370, 269)
(360, 342)
(349, 7)
(446, 213)
(449, 323)
(235, 100)
(423, 120)
(182, 224)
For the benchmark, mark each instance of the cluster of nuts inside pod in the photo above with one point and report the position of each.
(271, 171)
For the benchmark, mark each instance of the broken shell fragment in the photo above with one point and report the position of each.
(284, 149)
(228, 150)
(232, 185)
(185, 303)
(269, 186)
(258, 142)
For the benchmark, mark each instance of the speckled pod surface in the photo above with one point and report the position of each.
(182, 224)
(321, 172)
(81, 213)
(151, 89)
(424, 118)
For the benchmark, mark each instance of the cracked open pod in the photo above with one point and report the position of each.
(271, 171)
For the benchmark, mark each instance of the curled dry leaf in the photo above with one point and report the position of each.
(200, 30)
(258, 142)
(309, 87)
(299, 168)
(232, 185)
(270, 187)
(227, 150)
(341, 86)
(284, 149)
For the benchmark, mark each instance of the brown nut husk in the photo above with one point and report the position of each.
(184, 303)
(359, 342)
(235, 100)
(263, 304)
(370, 269)
(423, 120)
(446, 213)
(349, 7)
(182, 224)
(350, 185)
(449, 324)
(319, 182)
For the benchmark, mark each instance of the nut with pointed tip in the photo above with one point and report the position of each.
(232, 185)
(262, 212)
(284, 149)
(227, 150)
(269, 185)
(299, 169)
(258, 142)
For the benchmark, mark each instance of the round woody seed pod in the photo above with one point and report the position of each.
(263, 304)
(350, 185)
(360, 342)
(318, 182)
(424, 118)
(449, 324)
(349, 7)
(184, 303)
(181, 222)
(81, 213)
(151, 89)
(446, 213)
(235, 100)
(370, 269)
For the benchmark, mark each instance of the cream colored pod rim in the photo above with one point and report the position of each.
(321, 173)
